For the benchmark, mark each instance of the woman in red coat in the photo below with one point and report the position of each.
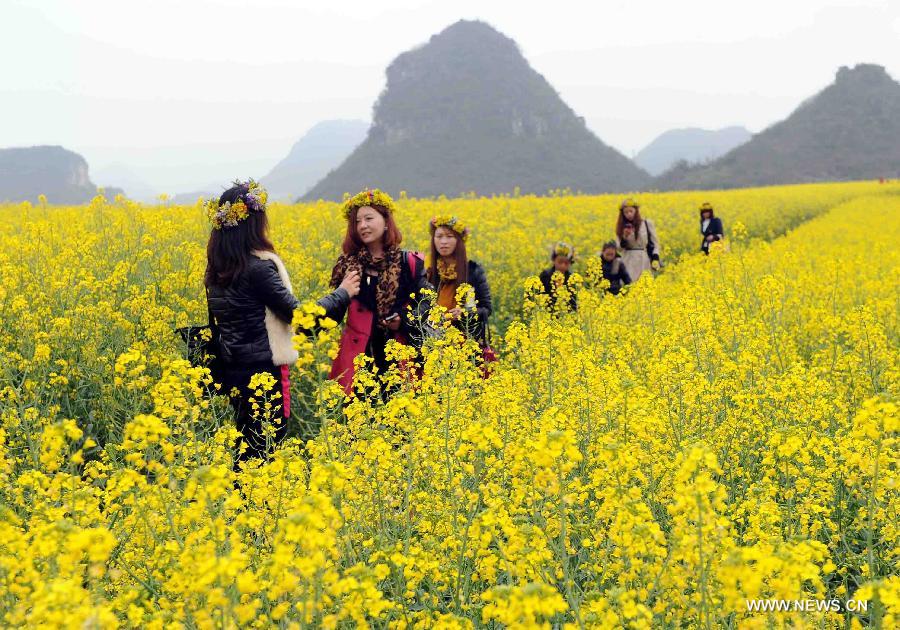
(388, 276)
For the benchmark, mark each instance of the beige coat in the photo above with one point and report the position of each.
(634, 256)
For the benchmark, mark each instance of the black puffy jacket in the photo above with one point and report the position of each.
(239, 310)
(615, 272)
(484, 307)
(550, 290)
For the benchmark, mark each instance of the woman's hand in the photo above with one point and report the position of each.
(454, 313)
(391, 322)
(350, 283)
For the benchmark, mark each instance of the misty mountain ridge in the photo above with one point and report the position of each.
(466, 112)
(848, 131)
(692, 145)
(320, 150)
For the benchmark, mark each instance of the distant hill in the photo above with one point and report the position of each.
(850, 130)
(691, 145)
(465, 112)
(121, 176)
(190, 198)
(320, 150)
(59, 174)
(111, 192)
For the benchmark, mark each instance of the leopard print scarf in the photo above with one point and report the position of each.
(388, 269)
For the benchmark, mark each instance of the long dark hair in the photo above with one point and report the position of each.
(462, 259)
(229, 248)
(636, 221)
(392, 236)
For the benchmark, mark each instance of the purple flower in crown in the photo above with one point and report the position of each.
(224, 220)
(252, 194)
(251, 201)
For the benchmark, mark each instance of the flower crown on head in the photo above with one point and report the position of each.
(563, 249)
(706, 207)
(368, 198)
(453, 223)
(252, 198)
(629, 203)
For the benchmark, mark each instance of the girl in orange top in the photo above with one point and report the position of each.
(450, 267)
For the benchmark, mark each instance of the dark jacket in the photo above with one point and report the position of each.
(547, 278)
(614, 271)
(335, 304)
(477, 323)
(412, 281)
(240, 311)
(715, 229)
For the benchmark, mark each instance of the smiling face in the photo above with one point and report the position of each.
(445, 241)
(609, 254)
(370, 225)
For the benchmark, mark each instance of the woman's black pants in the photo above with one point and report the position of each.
(248, 421)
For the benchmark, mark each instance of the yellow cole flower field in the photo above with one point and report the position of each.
(721, 437)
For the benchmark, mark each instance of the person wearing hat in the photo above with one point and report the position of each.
(614, 270)
(636, 237)
(388, 277)
(556, 278)
(710, 227)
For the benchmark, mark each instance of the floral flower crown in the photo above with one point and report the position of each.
(629, 203)
(563, 249)
(453, 223)
(368, 198)
(252, 198)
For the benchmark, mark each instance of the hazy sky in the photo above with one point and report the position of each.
(186, 93)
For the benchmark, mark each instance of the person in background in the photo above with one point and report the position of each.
(557, 277)
(636, 236)
(613, 268)
(388, 277)
(451, 267)
(710, 227)
(251, 304)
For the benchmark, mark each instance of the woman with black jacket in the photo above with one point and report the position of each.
(710, 227)
(251, 304)
(389, 304)
(449, 269)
